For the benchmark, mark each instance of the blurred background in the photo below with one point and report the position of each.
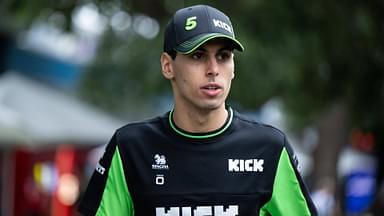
(73, 71)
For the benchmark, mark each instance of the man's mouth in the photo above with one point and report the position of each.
(211, 90)
(211, 87)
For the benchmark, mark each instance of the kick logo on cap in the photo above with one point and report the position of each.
(223, 25)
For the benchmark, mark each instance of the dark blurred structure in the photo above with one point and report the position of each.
(47, 136)
(5, 43)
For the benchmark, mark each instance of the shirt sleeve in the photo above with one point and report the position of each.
(290, 196)
(107, 192)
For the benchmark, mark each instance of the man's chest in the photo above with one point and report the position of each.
(226, 179)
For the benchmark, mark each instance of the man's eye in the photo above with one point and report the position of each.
(223, 56)
(197, 55)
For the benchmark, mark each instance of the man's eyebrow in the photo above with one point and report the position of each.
(224, 48)
(200, 49)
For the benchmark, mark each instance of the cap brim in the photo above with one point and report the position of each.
(195, 42)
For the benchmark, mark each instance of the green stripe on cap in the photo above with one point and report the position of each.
(192, 44)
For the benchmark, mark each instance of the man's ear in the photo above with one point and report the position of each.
(166, 65)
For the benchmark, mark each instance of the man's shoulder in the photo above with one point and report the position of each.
(257, 129)
(136, 128)
(246, 121)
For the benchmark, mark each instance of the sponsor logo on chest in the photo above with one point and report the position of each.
(245, 165)
(160, 162)
(216, 210)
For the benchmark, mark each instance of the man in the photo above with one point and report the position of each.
(201, 158)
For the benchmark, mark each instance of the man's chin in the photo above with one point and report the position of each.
(213, 106)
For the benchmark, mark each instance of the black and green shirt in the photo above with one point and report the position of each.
(154, 168)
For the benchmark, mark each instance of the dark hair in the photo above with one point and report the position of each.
(172, 53)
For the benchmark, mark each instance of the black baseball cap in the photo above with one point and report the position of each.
(191, 27)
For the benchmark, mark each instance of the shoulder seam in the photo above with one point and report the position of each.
(130, 124)
(260, 124)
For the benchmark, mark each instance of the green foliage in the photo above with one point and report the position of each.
(125, 75)
(307, 53)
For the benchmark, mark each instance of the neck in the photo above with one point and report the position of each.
(196, 121)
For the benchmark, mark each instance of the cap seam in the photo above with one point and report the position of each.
(209, 19)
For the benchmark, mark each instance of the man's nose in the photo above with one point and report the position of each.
(212, 67)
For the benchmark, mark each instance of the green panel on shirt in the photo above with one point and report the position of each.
(287, 198)
(116, 198)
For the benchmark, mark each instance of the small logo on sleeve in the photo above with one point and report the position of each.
(245, 165)
(100, 169)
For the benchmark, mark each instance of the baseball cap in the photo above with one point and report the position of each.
(191, 27)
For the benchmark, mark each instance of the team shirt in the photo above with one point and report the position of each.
(153, 167)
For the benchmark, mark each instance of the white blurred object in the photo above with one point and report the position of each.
(87, 18)
(41, 114)
(68, 189)
(323, 197)
(78, 46)
(146, 26)
(351, 159)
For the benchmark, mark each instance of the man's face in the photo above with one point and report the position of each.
(202, 79)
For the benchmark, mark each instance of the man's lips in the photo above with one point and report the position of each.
(211, 89)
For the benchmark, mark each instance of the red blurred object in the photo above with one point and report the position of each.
(64, 161)
(363, 141)
(45, 181)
